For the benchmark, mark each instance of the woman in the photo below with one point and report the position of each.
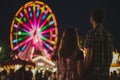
(70, 57)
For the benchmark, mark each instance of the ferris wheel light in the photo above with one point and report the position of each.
(51, 22)
(21, 14)
(19, 32)
(37, 14)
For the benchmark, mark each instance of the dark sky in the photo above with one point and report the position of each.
(68, 13)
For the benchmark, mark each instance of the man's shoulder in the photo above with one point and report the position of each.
(107, 32)
(91, 31)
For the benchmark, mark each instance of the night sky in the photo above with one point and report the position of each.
(68, 13)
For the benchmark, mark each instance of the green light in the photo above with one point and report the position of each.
(18, 20)
(20, 39)
(42, 9)
(49, 17)
(25, 19)
(22, 33)
(33, 7)
(44, 27)
(44, 38)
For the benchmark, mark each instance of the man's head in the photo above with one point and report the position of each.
(97, 16)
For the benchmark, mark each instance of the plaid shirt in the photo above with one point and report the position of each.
(101, 43)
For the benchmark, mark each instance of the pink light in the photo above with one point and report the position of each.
(54, 35)
(15, 25)
(22, 43)
(21, 14)
(29, 9)
(38, 7)
(19, 53)
(45, 21)
(46, 11)
(48, 46)
(40, 42)
(47, 31)
(31, 24)
(23, 29)
(26, 26)
(45, 53)
(32, 52)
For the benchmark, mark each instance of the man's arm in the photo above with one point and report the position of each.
(88, 58)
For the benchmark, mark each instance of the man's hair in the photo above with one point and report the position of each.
(98, 15)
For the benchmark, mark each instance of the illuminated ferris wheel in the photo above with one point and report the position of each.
(34, 31)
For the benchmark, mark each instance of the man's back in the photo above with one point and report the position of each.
(102, 46)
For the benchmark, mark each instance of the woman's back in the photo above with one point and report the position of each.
(69, 56)
(67, 67)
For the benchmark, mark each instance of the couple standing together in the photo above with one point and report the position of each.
(98, 46)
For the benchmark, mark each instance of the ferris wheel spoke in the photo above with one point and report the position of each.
(24, 30)
(34, 15)
(47, 31)
(25, 54)
(47, 25)
(20, 33)
(39, 20)
(45, 14)
(23, 47)
(45, 21)
(29, 20)
(49, 41)
(24, 25)
(22, 43)
(32, 52)
(17, 40)
(48, 46)
(38, 11)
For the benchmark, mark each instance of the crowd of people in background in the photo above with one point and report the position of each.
(22, 74)
(114, 75)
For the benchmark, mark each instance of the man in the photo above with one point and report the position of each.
(98, 47)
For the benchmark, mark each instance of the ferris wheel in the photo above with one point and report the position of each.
(34, 31)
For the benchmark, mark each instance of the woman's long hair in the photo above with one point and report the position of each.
(69, 42)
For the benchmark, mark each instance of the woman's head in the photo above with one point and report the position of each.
(69, 42)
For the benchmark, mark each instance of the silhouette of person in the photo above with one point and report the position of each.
(11, 75)
(99, 47)
(29, 74)
(70, 57)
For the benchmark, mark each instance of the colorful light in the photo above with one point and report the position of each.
(34, 29)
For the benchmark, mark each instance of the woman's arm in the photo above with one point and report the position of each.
(80, 68)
